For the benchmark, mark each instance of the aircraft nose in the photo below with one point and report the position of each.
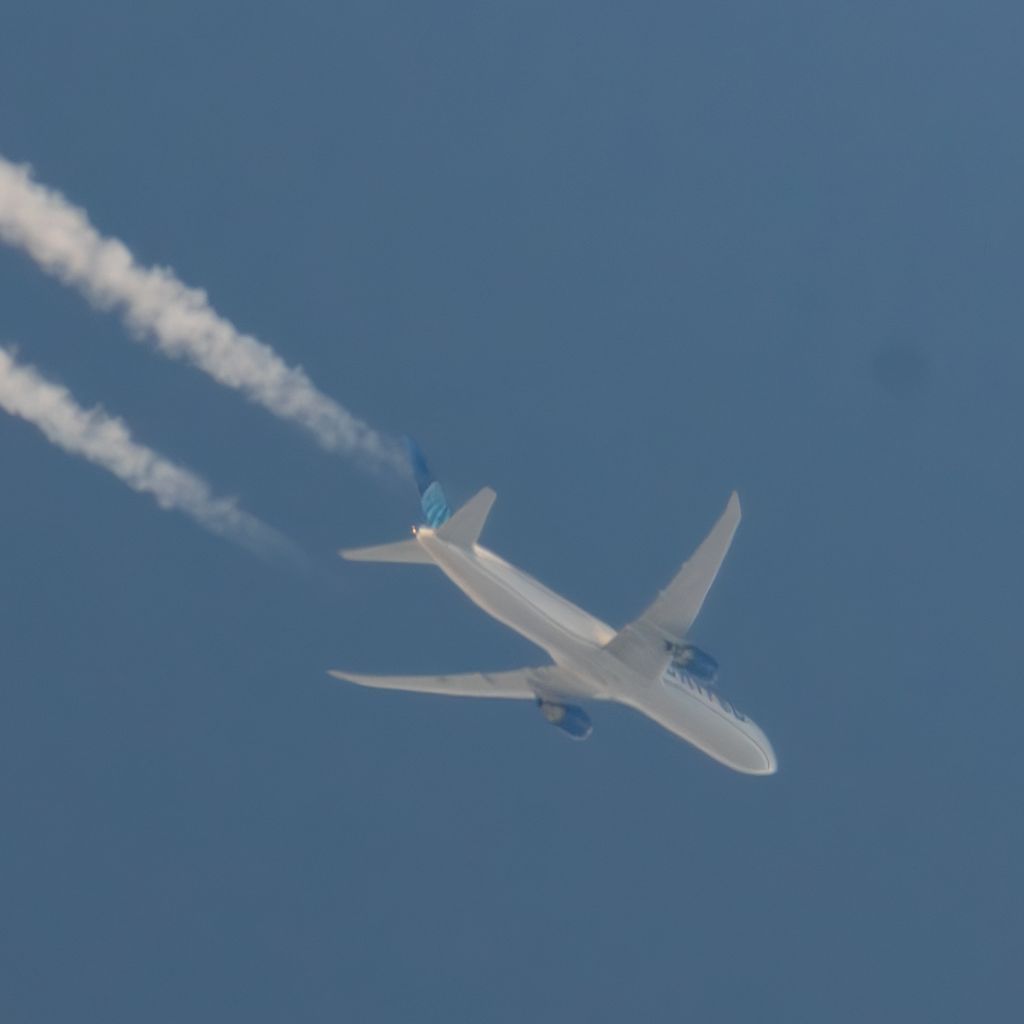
(763, 761)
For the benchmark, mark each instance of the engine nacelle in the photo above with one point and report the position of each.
(567, 717)
(694, 662)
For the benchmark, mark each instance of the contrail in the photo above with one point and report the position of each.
(106, 441)
(177, 318)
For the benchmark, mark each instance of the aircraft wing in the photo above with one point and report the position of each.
(521, 684)
(674, 610)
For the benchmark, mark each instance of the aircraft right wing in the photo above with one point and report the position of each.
(642, 643)
(678, 605)
(521, 684)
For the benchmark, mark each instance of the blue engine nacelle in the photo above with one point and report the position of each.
(694, 662)
(567, 717)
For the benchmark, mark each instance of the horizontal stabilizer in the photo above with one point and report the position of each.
(400, 551)
(464, 528)
(520, 684)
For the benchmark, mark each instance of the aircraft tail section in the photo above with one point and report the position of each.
(407, 551)
(436, 510)
(464, 528)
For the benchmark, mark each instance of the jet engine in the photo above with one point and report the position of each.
(567, 717)
(694, 662)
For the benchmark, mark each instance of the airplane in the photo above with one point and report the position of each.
(649, 665)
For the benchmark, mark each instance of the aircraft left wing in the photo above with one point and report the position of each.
(521, 684)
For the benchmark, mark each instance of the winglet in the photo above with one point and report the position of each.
(464, 528)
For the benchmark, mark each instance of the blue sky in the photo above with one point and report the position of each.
(612, 263)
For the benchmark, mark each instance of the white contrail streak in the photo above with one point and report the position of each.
(106, 441)
(178, 319)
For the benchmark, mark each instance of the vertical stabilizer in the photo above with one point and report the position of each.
(436, 510)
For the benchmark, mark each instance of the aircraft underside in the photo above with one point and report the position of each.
(648, 665)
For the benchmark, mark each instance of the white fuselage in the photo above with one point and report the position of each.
(576, 642)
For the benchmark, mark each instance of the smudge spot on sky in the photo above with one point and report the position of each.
(900, 370)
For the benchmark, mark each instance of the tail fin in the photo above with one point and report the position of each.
(436, 510)
(464, 528)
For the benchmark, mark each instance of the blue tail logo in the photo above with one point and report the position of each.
(436, 509)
